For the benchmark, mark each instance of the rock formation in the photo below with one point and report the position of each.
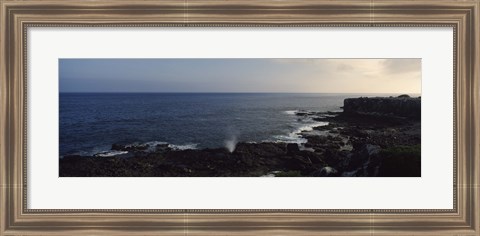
(401, 106)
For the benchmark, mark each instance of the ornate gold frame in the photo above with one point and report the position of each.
(16, 16)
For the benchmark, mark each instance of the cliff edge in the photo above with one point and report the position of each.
(401, 106)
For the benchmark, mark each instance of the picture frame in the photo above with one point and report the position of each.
(17, 16)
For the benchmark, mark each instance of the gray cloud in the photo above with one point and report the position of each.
(400, 66)
(241, 75)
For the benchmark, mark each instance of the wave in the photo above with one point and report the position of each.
(309, 127)
(110, 153)
(152, 147)
(189, 146)
(295, 138)
(154, 143)
(291, 112)
(296, 135)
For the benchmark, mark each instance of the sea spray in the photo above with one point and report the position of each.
(231, 143)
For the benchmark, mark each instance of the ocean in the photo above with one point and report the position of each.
(91, 122)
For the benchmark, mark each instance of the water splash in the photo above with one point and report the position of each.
(231, 144)
(231, 138)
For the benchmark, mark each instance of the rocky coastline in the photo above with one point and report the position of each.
(372, 137)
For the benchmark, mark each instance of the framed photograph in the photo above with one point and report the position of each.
(239, 117)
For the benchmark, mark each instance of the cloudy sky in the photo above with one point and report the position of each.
(241, 75)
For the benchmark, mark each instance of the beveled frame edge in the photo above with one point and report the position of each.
(239, 211)
(16, 16)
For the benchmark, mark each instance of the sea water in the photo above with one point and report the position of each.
(91, 122)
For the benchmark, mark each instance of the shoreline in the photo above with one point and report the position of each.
(363, 142)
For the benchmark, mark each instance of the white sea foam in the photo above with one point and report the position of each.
(295, 136)
(307, 128)
(289, 138)
(155, 143)
(292, 112)
(152, 145)
(188, 146)
(91, 152)
(110, 153)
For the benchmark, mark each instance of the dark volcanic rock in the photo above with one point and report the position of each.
(397, 161)
(292, 148)
(261, 149)
(362, 156)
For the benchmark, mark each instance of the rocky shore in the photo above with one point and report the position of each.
(371, 137)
